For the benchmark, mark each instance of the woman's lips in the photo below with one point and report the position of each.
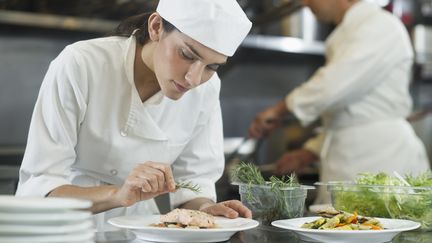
(180, 87)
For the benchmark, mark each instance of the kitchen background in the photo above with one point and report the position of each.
(282, 50)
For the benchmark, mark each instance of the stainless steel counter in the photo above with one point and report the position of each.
(261, 235)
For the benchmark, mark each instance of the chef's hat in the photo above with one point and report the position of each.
(218, 24)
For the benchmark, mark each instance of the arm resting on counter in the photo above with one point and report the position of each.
(103, 197)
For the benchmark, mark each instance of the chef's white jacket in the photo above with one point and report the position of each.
(89, 127)
(362, 96)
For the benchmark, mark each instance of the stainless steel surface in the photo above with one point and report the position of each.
(284, 44)
(56, 21)
(260, 235)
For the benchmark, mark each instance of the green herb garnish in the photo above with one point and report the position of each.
(269, 200)
(189, 186)
(381, 195)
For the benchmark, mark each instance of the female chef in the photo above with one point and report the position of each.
(119, 120)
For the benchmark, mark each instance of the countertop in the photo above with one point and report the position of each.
(261, 235)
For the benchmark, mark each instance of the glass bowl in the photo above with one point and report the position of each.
(269, 204)
(400, 202)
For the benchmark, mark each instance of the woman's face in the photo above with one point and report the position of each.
(181, 63)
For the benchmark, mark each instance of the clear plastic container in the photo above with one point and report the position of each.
(268, 204)
(400, 202)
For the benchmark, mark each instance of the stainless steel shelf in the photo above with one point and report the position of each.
(56, 21)
(9, 150)
(284, 44)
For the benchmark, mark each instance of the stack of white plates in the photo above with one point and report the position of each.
(47, 220)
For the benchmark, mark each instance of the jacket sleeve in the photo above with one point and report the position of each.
(202, 161)
(58, 112)
(354, 67)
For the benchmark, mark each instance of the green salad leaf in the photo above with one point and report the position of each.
(381, 195)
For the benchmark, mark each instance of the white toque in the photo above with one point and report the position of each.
(218, 24)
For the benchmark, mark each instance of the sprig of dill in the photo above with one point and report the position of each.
(189, 186)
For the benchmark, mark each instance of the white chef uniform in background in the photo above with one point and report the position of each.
(363, 98)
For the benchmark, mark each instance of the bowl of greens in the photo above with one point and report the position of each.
(381, 195)
(277, 198)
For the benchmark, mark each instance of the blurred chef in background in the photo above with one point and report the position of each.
(119, 120)
(361, 95)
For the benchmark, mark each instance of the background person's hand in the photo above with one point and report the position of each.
(230, 209)
(265, 122)
(145, 181)
(295, 160)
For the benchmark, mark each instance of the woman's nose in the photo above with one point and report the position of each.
(194, 75)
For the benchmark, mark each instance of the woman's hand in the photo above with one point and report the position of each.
(145, 181)
(230, 209)
(268, 120)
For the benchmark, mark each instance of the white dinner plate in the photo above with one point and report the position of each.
(82, 237)
(40, 204)
(140, 226)
(18, 229)
(26, 218)
(392, 227)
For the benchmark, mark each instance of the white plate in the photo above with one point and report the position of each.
(40, 204)
(18, 229)
(83, 237)
(392, 228)
(140, 226)
(57, 218)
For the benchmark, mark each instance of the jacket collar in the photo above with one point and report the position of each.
(139, 121)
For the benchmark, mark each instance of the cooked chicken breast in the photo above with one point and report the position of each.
(189, 218)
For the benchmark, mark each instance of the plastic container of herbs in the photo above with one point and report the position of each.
(269, 203)
(385, 201)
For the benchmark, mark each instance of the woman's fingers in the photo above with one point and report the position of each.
(229, 209)
(168, 178)
(236, 205)
(221, 210)
(158, 175)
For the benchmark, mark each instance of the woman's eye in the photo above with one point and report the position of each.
(186, 56)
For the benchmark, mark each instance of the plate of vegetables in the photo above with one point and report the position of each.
(345, 227)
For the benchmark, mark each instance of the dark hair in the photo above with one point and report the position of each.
(140, 22)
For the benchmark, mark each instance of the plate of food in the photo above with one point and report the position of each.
(345, 227)
(183, 225)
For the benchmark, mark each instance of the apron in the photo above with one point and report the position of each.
(379, 146)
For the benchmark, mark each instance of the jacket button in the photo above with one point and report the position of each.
(123, 133)
(113, 172)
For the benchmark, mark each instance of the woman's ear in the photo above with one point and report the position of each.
(155, 27)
